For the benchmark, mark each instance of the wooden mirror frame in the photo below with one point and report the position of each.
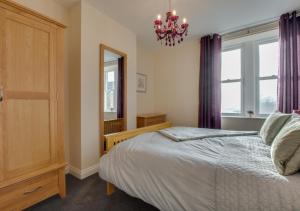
(101, 94)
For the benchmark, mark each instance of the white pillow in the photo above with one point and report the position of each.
(272, 126)
(285, 150)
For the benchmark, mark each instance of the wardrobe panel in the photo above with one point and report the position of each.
(28, 58)
(30, 98)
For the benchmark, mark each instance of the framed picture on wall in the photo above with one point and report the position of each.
(141, 83)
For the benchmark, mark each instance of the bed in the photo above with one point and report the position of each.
(209, 173)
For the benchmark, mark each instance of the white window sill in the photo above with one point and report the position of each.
(244, 117)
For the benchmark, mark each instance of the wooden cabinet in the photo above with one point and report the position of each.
(145, 120)
(31, 107)
(21, 195)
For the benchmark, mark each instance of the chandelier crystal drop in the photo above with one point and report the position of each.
(170, 33)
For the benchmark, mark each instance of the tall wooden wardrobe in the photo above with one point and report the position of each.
(31, 107)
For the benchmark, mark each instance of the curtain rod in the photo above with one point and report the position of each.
(251, 30)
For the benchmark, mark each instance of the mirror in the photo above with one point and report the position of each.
(113, 67)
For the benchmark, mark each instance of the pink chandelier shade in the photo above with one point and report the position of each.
(170, 32)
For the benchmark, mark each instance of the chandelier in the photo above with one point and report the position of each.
(170, 32)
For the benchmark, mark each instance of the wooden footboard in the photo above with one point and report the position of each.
(116, 138)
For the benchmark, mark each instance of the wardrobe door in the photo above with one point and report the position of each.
(28, 109)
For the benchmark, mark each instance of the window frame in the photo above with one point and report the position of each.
(250, 86)
(241, 80)
(257, 43)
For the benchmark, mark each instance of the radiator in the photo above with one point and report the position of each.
(113, 126)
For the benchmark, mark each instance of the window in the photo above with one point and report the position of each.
(231, 81)
(249, 75)
(268, 70)
(110, 88)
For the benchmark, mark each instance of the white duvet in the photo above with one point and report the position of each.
(222, 173)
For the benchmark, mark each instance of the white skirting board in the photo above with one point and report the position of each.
(84, 173)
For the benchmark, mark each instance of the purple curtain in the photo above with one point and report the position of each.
(210, 82)
(289, 67)
(120, 93)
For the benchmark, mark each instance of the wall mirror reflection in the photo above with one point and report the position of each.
(113, 103)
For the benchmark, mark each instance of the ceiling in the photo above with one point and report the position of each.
(204, 16)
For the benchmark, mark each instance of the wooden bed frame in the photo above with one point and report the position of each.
(116, 138)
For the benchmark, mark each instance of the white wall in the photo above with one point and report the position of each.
(57, 12)
(48, 8)
(146, 65)
(74, 84)
(176, 82)
(97, 28)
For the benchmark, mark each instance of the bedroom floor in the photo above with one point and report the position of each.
(89, 194)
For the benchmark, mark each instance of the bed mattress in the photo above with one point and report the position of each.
(221, 173)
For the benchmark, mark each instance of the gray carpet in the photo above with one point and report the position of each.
(89, 195)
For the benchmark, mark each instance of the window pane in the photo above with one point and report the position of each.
(267, 96)
(109, 98)
(231, 64)
(268, 59)
(111, 76)
(231, 97)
